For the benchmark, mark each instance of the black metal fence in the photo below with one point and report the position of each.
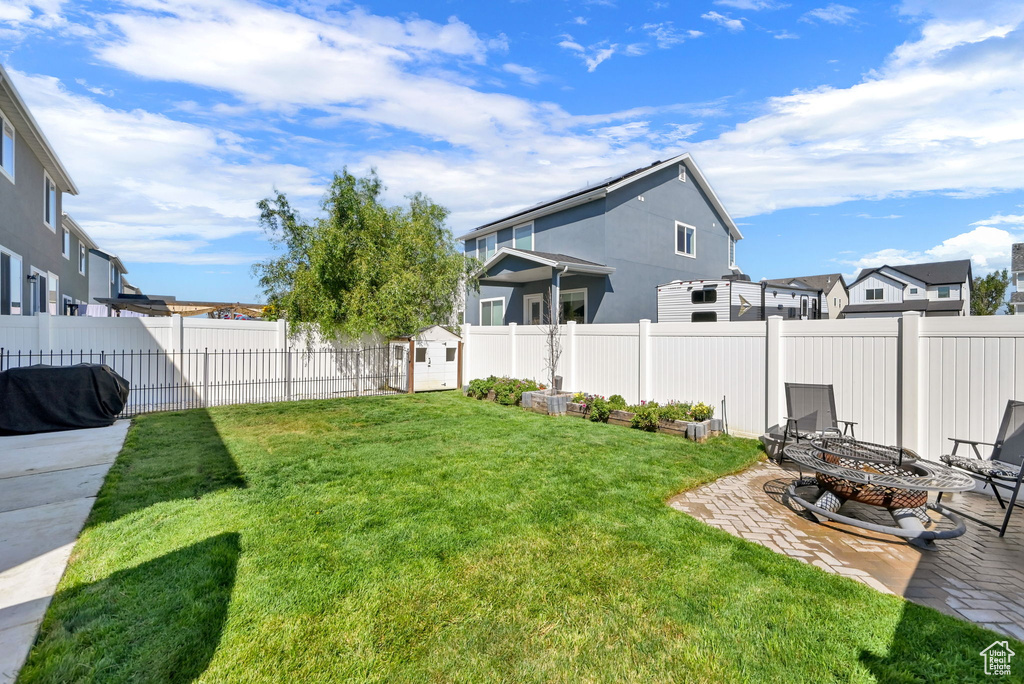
(172, 380)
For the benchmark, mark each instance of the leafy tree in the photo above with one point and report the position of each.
(363, 267)
(988, 294)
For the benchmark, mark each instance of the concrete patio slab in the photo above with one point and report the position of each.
(978, 576)
(48, 484)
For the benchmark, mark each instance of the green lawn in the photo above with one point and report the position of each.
(437, 538)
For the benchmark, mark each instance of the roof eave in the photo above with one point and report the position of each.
(544, 210)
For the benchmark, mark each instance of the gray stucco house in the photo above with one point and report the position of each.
(41, 266)
(602, 251)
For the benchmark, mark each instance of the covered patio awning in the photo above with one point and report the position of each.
(168, 306)
(510, 266)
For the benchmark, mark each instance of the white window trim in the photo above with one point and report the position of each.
(83, 258)
(515, 243)
(66, 253)
(14, 152)
(732, 252)
(46, 201)
(21, 276)
(586, 303)
(527, 300)
(675, 240)
(504, 309)
(682, 172)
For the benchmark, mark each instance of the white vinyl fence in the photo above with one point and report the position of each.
(177, 363)
(912, 381)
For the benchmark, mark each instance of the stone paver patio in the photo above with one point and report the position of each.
(978, 576)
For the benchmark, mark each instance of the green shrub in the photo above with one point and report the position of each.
(702, 412)
(479, 388)
(599, 409)
(509, 391)
(645, 417)
(674, 411)
(617, 402)
(579, 398)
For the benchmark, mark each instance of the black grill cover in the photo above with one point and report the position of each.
(49, 398)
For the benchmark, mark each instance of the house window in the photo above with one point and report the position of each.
(732, 252)
(7, 148)
(421, 354)
(10, 283)
(835, 302)
(943, 291)
(492, 311)
(704, 317)
(706, 296)
(686, 240)
(573, 306)
(682, 173)
(803, 307)
(486, 247)
(82, 258)
(449, 354)
(65, 305)
(523, 236)
(49, 203)
(873, 294)
(53, 294)
(913, 290)
(65, 246)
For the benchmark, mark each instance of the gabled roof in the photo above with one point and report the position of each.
(25, 125)
(72, 225)
(545, 261)
(593, 192)
(823, 282)
(933, 273)
(794, 283)
(1017, 257)
(113, 258)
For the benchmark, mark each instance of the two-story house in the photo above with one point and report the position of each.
(39, 256)
(106, 280)
(1017, 278)
(835, 294)
(600, 252)
(941, 288)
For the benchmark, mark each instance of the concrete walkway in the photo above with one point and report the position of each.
(48, 483)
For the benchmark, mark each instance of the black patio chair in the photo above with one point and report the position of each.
(1002, 466)
(811, 413)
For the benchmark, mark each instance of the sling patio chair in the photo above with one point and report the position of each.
(1002, 468)
(811, 413)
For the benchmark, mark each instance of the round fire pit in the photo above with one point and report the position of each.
(877, 475)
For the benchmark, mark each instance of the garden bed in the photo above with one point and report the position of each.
(698, 431)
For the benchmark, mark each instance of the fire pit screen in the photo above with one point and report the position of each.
(876, 475)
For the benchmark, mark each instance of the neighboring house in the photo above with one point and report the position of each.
(602, 251)
(942, 288)
(39, 251)
(835, 295)
(1017, 276)
(106, 278)
(736, 298)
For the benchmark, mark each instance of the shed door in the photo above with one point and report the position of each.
(436, 366)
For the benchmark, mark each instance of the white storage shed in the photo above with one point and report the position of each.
(436, 358)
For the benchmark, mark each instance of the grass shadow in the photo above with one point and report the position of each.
(173, 607)
(166, 457)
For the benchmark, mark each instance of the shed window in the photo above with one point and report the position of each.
(421, 354)
(706, 296)
(398, 353)
(944, 292)
(704, 317)
(449, 354)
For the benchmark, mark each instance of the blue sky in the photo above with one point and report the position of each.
(838, 135)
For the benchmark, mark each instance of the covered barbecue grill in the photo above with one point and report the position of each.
(49, 398)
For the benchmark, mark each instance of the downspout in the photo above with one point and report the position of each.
(764, 314)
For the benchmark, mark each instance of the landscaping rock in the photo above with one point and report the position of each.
(616, 417)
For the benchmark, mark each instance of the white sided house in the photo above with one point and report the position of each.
(941, 288)
(736, 298)
(435, 358)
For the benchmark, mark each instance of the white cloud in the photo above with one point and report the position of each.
(581, 21)
(95, 90)
(526, 74)
(723, 20)
(592, 55)
(754, 5)
(832, 14)
(988, 249)
(666, 35)
(784, 35)
(876, 218)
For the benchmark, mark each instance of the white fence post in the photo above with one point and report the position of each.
(282, 334)
(644, 381)
(773, 372)
(512, 347)
(569, 356)
(909, 381)
(467, 330)
(177, 341)
(43, 332)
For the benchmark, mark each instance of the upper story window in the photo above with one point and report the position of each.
(113, 274)
(7, 147)
(522, 236)
(486, 246)
(874, 293)
(49, 203)
(82, 258)
(686, 240)
(65, 245)
(943, 291)
(732, 252)
(705, 296)
(913, 290)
